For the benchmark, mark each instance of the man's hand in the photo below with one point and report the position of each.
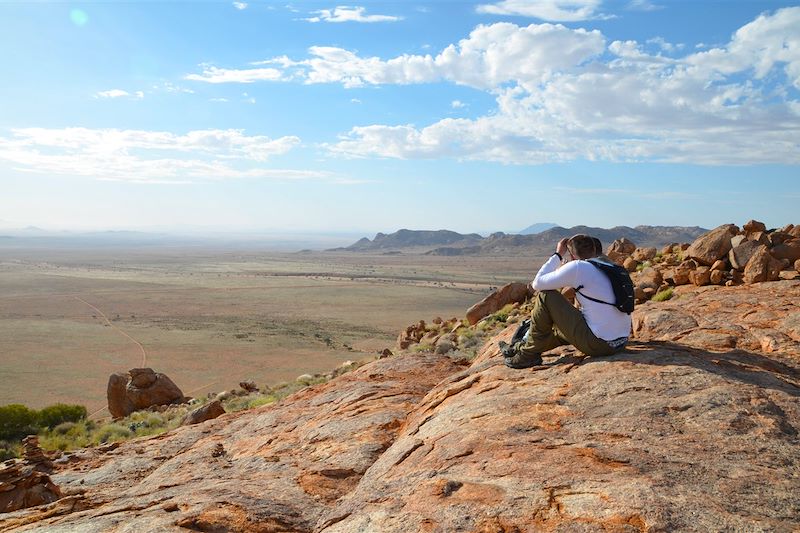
(561, 248)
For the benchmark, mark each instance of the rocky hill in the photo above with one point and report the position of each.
(693, 428)
(405, 238)
(444, 242)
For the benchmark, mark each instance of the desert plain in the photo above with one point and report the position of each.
(211, 317)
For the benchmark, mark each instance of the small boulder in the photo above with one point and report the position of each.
(736, 240)
(622, 246)
(139, 389)
(754, 225)
(208, 411)
(762, 267)
(720, 264)
(248, 385)
(511, 293)
(630, 264)
(644, 254)
(797, 265)
(741, 254)
(713, 245)
(758, 236)
(779, 237)
(787, 250)
(701, 276)
(717, 277)
(650, 277)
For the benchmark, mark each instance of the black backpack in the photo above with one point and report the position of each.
(621, 283)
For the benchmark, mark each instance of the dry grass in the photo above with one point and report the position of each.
(209, 319)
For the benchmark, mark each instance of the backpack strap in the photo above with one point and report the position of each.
(579, 287)
(578, 290)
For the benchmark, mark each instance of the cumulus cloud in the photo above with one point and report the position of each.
(240, 5)
(491, 56)
(212, 74)
(147, 156)
(457, 104)
(119, 93)
(349, 14)
(734, 104)
(564, 94)
(552, 10)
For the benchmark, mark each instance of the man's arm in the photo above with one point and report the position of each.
(550, 276)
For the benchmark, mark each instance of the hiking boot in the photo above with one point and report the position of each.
(506, 349)
(522, 360)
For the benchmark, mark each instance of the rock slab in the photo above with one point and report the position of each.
(139, 389)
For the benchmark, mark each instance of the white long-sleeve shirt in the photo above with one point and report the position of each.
(606, 321)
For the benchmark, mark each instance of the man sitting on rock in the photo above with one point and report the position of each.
(596, 329)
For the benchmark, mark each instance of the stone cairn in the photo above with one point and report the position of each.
(33, 454)
(25, 483)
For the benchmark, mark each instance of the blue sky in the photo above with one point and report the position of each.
(372, 116)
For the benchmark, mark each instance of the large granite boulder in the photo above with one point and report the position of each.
(739, 255)
(713, 245)
(762, 267)
(507, 294)
(138, 389)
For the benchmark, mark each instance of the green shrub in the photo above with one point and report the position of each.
(9, 450)
(663, 296)
(642, 266)
(63, 428)
(17, 421)
(53, 415)
(422, 347)
(111, 433)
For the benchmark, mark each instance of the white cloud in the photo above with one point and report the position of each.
(349, 14)
(664, 45)
(734, 104)
(119, 93)
(147, 156)
(240, 5)
(172, 88)
(564, 94)
(643, 5)
(491, 56)
(355, 101)
(552, 10)
(457, 104)
(218, 100)
(212, 74)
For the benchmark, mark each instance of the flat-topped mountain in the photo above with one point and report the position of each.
(445, 242)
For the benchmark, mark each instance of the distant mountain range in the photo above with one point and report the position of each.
(539, 227)
(445, 242)
(406, 238)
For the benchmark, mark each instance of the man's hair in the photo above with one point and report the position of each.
(582, 246)
(598, 246)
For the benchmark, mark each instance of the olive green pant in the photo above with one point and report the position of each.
(556, 322)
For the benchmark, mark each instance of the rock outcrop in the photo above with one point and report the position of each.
(209, 411)
(722, 256)
(139, 389)
(507, 294)
(695, 427)
(25, 483)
